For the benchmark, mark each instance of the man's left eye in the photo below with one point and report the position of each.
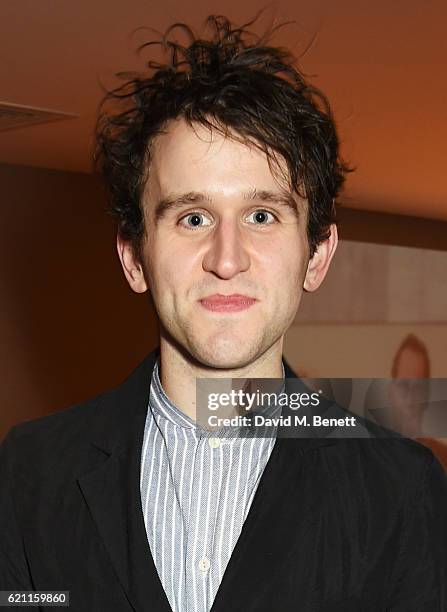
(261, 216)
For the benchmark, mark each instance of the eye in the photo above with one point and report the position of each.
(261, 216)
(193, 220)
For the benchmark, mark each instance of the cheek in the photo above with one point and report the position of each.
(174, 276)
(285, 270)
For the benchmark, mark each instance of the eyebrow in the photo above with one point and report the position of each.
(174, 202)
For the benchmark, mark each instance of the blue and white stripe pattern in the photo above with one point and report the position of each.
(196, 490)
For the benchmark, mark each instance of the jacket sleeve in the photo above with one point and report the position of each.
(14, 574)
(419, 582)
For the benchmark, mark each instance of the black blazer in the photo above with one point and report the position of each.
(336, 525)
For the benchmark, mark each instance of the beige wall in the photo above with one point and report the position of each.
(359, 350)
(376, 283)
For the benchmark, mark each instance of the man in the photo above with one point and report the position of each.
(223, 170)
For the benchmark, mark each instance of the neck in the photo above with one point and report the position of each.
(179, 370)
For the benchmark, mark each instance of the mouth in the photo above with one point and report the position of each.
(227, 303)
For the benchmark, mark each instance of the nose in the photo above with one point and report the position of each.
(226, 255)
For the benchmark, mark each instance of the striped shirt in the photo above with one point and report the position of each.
(196, 490)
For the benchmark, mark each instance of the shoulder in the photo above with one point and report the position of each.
(387, 456)
(396, 451)
(53, 441)
(392, 469)
(66, 423)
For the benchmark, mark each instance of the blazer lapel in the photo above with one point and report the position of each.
(112, 489)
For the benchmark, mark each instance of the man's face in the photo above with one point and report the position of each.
(217, 241)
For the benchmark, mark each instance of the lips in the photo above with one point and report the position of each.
(227, 303)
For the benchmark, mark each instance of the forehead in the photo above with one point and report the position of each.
(195, 158)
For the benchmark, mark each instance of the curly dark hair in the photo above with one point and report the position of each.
(249, 91)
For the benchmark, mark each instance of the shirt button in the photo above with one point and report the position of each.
(204, 564)
(214, 442)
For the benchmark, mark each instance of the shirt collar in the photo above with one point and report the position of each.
(164, 408)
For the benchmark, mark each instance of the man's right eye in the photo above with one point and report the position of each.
(194, 222)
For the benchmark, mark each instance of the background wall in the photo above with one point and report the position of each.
(359, 350)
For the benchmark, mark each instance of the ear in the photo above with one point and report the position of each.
(133, 270)
(319, 264)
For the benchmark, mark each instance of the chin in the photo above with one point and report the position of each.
(224, 354)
